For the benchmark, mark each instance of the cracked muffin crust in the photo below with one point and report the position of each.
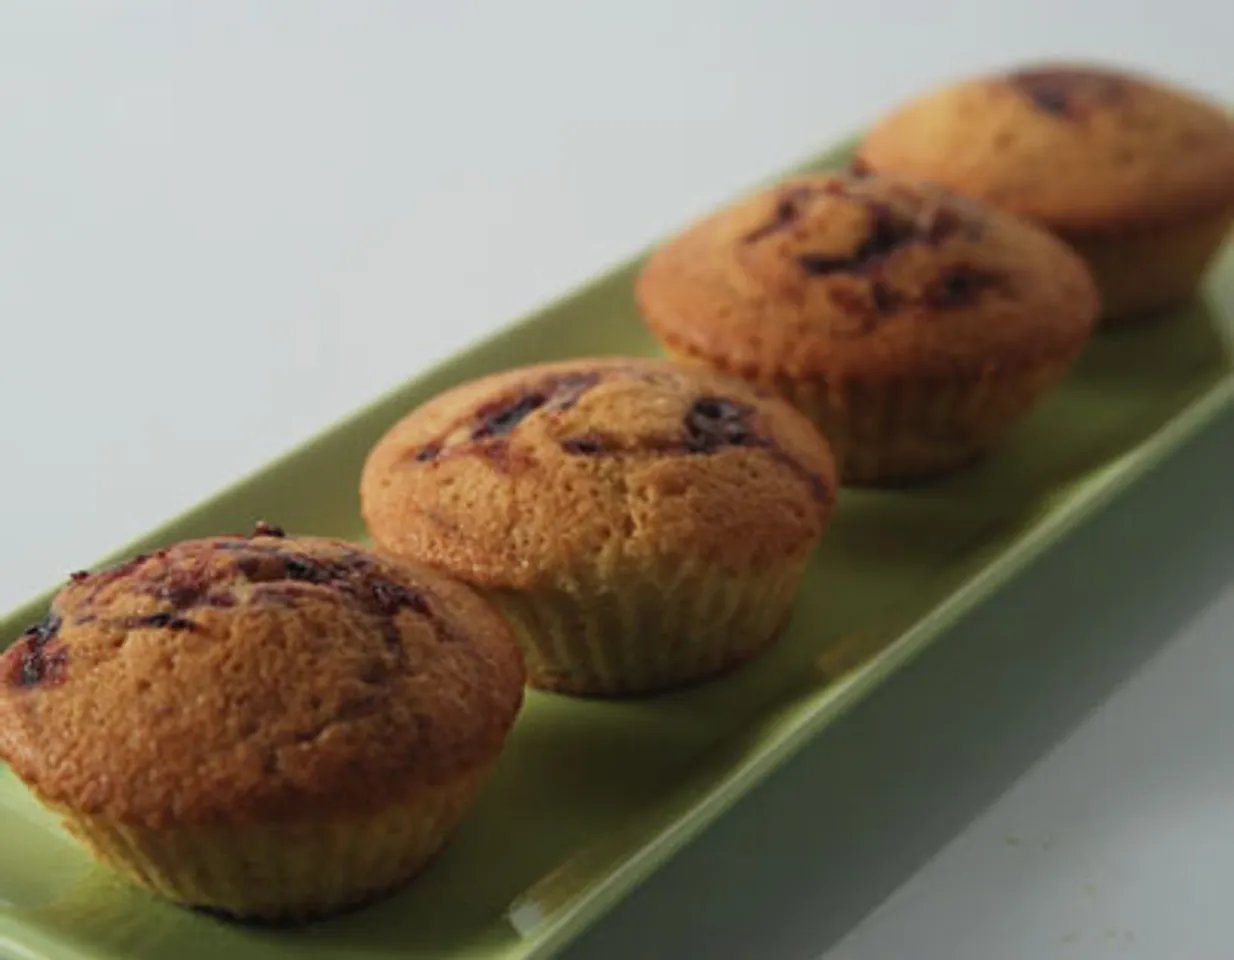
(264, 725)
(1135, 173)
(912, 325)
(641, 523)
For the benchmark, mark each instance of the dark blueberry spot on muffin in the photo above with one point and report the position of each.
(716, 422)
(218, 600)
(264, 529)
(960, 286)
(888, 232)
(160, 621)
(289, 578)
(260, 567)
(565, 391)
(181, 593)
(821, 264)
(178, 586)
(560, 393)
(1047, 97)
(788, 209)
(37, 657)
(306, 570)
(884, 298)
(486, 429)
(1066, 92)
(43, 632)
(265, 564)
(96, 583)
(587, 445)
(940, 223)
(297, 569)
(389, 598)
(505, 457)
(43, 666)
(502, 419)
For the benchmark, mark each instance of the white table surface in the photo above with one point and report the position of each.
(223, 225)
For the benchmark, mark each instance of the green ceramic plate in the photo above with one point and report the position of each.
(591, 797)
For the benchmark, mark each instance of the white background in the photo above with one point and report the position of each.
(223, 225)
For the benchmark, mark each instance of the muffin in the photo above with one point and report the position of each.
(642, 525)
(268, 727)
(913, 326)
(1137, 175)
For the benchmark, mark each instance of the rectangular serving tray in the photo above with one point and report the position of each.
(591, 797)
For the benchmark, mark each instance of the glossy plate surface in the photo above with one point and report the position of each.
(590, 797)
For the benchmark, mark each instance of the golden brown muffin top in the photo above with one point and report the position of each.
(1076, 147)
(840, 274)
(234, 678)
(536, 476)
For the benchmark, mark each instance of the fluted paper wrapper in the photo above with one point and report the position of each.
(913, 429)
(1145, 269)
(283, 871)
(649, 631)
